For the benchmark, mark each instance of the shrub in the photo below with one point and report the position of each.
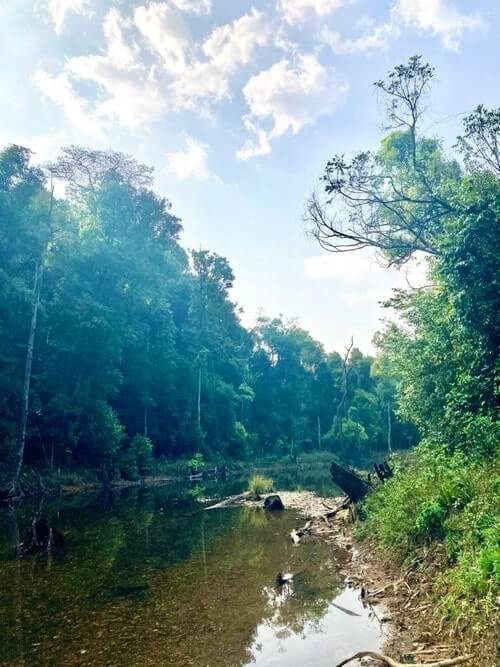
(142, 448)
(429, 524)
(136, 459)
(258, 484)
(197, 463)
(452, 499)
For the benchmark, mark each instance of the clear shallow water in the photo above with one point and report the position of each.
(146, 577)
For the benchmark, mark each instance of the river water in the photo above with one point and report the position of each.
(146, 577)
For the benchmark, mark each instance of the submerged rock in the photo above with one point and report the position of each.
(273, 502)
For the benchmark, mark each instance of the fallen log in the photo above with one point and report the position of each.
(232, 500)
(350, 483)
(392, 663)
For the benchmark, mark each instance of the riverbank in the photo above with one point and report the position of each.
(401, 598)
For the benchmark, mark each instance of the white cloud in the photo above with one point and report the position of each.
(289, 95)
(164, 30)
(439, 17)
(377, 38)
(295, 11)
(195, 6)
(59, 8)
(128, 91)
(360, 278)
(45, 147)
(234, 44)
(198, 86)
(151, 66)
(191, 163)
(120, 53)
(59, 90)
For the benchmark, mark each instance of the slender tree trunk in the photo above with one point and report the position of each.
(389, 428)
(199, 399)
(23, 422)
(337, 422)
(21, 440)
(146, 393)
(319, 432)
(145, 421)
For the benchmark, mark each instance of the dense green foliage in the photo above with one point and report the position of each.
(137, 348)
(445, 509)
(443, 350)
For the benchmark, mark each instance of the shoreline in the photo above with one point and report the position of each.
(403, 594)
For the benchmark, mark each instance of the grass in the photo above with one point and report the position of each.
(258, 484)
(450, 502)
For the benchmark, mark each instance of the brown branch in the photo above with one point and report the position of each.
(392, 663)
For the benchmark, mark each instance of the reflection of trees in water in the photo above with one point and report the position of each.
(145, 576)
(256, 517)
(299, 605)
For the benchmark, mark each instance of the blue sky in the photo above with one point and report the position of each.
(238, 105)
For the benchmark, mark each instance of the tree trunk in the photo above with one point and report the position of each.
(355, 487)
(146, 389)
(23, 422)
(389, 428)
(337, 420)
(199, 400)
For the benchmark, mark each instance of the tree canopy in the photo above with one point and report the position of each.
(118, 345)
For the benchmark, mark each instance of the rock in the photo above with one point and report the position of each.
(273, 503)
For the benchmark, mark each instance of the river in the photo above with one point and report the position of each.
(146, 577)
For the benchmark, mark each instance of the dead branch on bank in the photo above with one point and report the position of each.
(232, 500)
(392, 663)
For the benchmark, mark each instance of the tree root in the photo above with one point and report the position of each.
(392, 663)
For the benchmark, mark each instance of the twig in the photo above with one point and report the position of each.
(392, 663)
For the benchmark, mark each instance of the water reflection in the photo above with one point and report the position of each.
(147, 577)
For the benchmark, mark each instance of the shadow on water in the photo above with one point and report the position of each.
(145, 577)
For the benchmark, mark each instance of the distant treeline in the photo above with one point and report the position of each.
(117, 345)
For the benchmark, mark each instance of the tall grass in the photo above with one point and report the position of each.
(258, 484)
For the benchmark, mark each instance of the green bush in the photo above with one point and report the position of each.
(429, 524)
(197, 463)
(136, 459)
(452, 500)
(142, 448)
(258, 484)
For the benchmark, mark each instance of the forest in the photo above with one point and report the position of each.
(119, 347)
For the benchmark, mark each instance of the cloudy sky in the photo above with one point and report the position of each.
(238, 105)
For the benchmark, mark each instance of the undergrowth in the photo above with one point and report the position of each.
(437, 499)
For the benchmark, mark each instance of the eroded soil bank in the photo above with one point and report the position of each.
(400, 597)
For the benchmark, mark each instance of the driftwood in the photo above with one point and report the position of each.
(350, 483)
(298, 533)
(232, 500)
(392, 663)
